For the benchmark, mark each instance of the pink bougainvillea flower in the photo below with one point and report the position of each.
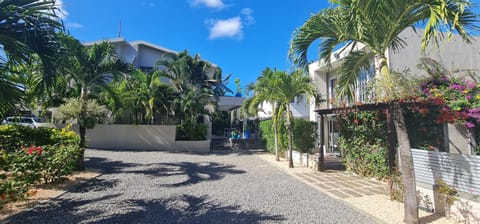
(470, 84)
(457, 86)
(469, 124)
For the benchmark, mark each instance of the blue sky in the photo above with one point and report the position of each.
(243, 37)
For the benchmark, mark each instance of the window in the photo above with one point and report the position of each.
(363, 92)
(331, 90)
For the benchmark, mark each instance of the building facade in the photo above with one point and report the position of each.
(455, 55)
(141, 54)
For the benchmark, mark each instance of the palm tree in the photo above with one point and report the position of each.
(27, 28)
(91, 69)
(377, 24)
(197, 83)
(265, 91)
(292, 87)
(149, 85)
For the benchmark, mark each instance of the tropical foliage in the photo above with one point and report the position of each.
(280, 89)
(197, 83)
(363, 143)
(266, 91)
(32, 156)
(348, 24)
(27, 30)
(351, 24)
(91, 69)
(304, 132)
(293, 88)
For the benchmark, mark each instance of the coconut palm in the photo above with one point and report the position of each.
(377, 24)
(27, 28)
(91, 69)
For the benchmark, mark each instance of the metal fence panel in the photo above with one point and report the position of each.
(458, 170)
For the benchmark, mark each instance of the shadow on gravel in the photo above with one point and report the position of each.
(97, 184)
(61, 210)
(187, 209)
(108, 166)
(178, 209)
(227, 152)
(195, 172)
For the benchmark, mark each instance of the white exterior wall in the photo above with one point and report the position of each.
(299, 109)
(454, 54)
(126, 52)
(148, 57)
(140, 137)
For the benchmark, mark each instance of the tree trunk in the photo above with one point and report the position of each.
(406, 166)
(82, 128)
(80, 164)
(275, 133)
(275, 137)
(384, 86)
(391, 149)
(290, 138)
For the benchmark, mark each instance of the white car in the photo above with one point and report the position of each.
(33, 122)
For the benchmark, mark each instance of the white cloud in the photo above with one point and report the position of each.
(74, 25)
(247, 16)
(231, 28)
(216, 4)
(60, 12)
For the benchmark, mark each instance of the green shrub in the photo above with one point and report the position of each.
(191, 132)
(64, 136)
(30, 156)
(268, 136)
(363, 143)
(58, 161)
(304, 135)
(423, 130)
(13, 137)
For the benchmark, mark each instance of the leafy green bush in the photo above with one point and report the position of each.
(13, 137)
(25, 163)
(363, 143)
(304, 135)
(423, 130)
(64, 136)
(192, 132)
(268, 137)
(58, 161)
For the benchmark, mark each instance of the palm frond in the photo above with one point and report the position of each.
(326, 24)
(348, 73)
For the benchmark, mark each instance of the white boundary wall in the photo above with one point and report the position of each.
(140, 137)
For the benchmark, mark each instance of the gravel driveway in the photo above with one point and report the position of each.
(162, 187)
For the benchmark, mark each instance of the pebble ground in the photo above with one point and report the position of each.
(162, 187)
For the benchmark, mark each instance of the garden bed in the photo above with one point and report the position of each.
(44, 192)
